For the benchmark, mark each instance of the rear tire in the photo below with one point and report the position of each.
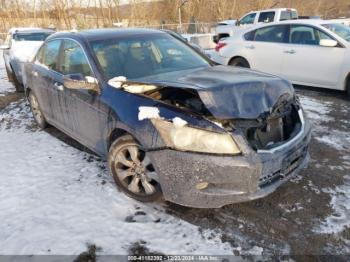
(347, 88)
(36, 111)
(133, 171)
(240, 62)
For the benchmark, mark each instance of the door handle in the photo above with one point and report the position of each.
(59, 86)
(290, 52)
(250, 47)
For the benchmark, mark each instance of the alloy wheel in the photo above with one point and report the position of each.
(135, 171)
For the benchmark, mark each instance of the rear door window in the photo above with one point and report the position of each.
(266, 17)
(288, 15)
(250, 36)
(274, 34)
(74, 60)
(49, 54)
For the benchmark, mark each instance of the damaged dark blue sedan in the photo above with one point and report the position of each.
(170, 122)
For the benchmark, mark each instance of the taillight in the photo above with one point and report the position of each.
(219, 46)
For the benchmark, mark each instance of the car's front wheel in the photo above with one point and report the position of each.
(133, 171)
(239, 61)
(13, 78)
(36, 110)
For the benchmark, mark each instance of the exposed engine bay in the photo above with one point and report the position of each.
(269, 130)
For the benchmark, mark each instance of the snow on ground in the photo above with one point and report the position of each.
(318, 112)
(55, 199)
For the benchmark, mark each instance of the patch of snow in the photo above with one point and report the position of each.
(120, 81)
(179, 122)
(139, 88)
(336, 140)
(315, 110)
(117, 81)
(147, 112)
(340, 203)
(54, 201)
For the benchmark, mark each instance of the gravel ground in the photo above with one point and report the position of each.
(309, 215)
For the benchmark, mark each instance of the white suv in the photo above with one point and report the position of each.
(19, 47)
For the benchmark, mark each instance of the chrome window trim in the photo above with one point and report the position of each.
(66, 38)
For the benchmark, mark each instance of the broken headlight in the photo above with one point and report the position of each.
(186, 138)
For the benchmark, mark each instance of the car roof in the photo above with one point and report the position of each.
(105, 33)
(315, 22)
(273, 10)
(29, 30)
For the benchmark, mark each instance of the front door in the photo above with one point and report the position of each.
(83, 106)
(306, 62)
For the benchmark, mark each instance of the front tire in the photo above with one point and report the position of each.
(36, 111)
(9, 74)
(133, 171)
(13, 78)
(240, 62)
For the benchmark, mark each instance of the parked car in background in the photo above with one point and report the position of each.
(167, 119)
(306, 52)
(225, 29)
(20, 46)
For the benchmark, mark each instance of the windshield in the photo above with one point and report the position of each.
(145, 55)
(31, 36)
(340, 29)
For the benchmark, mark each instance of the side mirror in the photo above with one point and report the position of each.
(328, 43)
(78, 81)
(237, 23)
(4, 47)
(216, 39)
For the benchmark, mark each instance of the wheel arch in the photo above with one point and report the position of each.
(347, 82)
(238, 56)
(117, 133)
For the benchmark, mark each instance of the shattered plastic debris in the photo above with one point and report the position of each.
(179, 122)
(147, 112)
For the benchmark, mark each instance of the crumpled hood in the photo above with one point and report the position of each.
(230, 92)
(25, 51)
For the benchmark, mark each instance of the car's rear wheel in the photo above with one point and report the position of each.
(239, 61)
(348, 86)
(36, 110)
(13, 78)
(133, 171)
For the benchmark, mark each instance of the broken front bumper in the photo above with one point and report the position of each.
(231, 179)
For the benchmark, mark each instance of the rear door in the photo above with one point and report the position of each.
(306, 62)
(266, 48)
(43, 72)
(267, 17)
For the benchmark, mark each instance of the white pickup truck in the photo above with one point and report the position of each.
(224, 30)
